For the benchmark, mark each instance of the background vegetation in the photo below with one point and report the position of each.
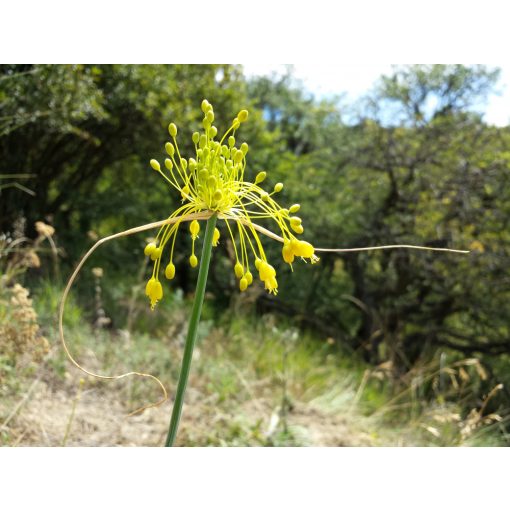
(389, 347)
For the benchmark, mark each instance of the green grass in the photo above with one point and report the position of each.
(254, 381)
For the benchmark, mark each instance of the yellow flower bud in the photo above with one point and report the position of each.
(295, 221)
(195, 137)
(238, 269)
(244, 148)
(149, 249)
(288, 255)
(210, 116)
(172, 129)
(194, 228)
(170, 271)
(193, 261)
(216, 237)
(260, 177)
(156, 253)
(238, 157)
(154, 291)
(242, 116)
(170, 149)
(211, 182)
(155, 165)
(218, 195)
(231, 141)
(213, 131)
(205, 105)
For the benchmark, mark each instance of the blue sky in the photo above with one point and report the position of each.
(354, 80)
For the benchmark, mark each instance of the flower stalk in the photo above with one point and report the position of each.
(192, 330)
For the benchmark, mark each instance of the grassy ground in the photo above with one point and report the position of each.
(253, 383)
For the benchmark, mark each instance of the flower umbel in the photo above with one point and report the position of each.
(213, 182)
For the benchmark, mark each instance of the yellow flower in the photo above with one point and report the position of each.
(213, 181)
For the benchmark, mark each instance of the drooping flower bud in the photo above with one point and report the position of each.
(170, 271)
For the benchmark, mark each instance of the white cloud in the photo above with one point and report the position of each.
(354, 80)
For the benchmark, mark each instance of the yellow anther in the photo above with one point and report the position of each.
(213, 131)
(216, 237)
(155, 165)
(265, 196)
(243, 284)
(192, 164)
(278, 187)
(238, 157)
(170, 271)
(193, 261)
(203, 141)
(244, 148)
(298, 229)
(168, 163)
(149, 249)
(218, 195)
(249, 278)
(172, 129)
(231, 141)
(260, 177)
(295, 221)
(195, 137)
(294, 208)
(194, 228)
(205, 105)
(258, 262)
(210, 116)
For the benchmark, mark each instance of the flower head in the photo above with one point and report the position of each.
(214, 182)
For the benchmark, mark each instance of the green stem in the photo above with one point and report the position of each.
(192, 330)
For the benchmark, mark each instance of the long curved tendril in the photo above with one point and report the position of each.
(190, 217)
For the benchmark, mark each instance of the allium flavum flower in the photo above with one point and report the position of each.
(213, 182)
